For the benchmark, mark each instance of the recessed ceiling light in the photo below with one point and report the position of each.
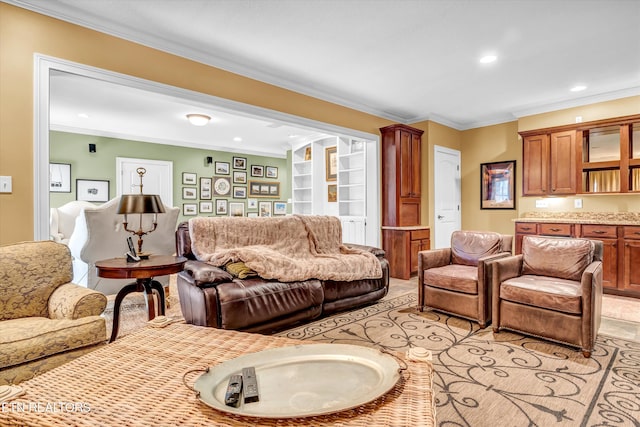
(198, 119)
(578, 88)
(487, 59)
(237, 139)
(83, 115)
(292, 135)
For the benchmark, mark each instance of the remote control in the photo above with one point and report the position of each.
(250, 385)
(232, 396)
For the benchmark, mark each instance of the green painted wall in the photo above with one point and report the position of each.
(73, 149)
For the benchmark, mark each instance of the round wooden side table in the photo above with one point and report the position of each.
(143, 272)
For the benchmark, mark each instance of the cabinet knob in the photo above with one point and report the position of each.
(526, 228)
(599, 232)
(554, 229)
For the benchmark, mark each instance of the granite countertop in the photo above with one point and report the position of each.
(406, 227)
(608, 218)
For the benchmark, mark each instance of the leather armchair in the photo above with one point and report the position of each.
(456, 280)
(552, 290)
(45, 320)
(99, 234)
(62, 220)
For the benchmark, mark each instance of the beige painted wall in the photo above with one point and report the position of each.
(24, 33)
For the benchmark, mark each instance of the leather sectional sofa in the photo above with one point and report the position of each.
(211, 296)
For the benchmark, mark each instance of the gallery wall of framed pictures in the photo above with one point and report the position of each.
(197, 183)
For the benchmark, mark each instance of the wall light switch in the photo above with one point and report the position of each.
(577, 203)
(5, 184)
(541, 204)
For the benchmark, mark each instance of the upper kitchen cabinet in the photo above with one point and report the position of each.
(596, 157)
(401, 148)
(549, 163)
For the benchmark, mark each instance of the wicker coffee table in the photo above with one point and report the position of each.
(138, 381)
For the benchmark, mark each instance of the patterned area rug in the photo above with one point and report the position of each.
(506, 379)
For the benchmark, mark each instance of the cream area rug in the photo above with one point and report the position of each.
(506, 379)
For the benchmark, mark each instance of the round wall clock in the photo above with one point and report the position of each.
(222, 186)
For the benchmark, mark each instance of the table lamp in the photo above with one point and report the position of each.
(140, 204)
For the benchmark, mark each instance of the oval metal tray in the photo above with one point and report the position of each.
(304, 380)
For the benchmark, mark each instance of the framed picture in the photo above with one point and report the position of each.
(332, 193)
(264, 189)
(498, 185)
(222, 168)
(189, 193)
(279, 208)
(239, 177)
(189, 209)
(60, 178)
(239, 192)
(271, 172)
(264, 209)
(206, 207)
(331, 163)
(252, 204)
(189, 178)
(257, 170)
(240, 163)
(92, 190)
(252, 214)
(307, 153)
(221, 207)
(205, 188)
(221, 186)
(236, 209)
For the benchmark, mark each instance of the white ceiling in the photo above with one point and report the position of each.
(405, 60)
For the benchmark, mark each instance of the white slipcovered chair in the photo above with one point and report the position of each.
(99, 234)
(62, 220)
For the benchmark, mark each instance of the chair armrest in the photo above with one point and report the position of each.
(434, 258)
(204, 275)
(506, 268)
(71, 301)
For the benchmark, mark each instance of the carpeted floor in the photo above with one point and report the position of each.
(505, 379)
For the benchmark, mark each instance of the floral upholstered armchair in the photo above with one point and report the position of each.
(45, 320)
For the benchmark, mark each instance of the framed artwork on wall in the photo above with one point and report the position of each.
(252, 214)
(189, 178)
(252, 204)
(264, 189)
(498, 185)
(205, 188)
(264, 209)
(331, 163)
(239, 192)
(222, 168)
(236, 209)
(59, 178)
(271, 172)
(332, 193)
(257, 170)
(189, 193)
(279, 208)
(239, 177)
(221, 207)
(189, 209)
(240, 163)
(92, 190)
(221, 186)
(206, 207)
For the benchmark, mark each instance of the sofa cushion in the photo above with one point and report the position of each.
(29, 273)
(31, 338)
(468, 247)
(544, 292)
(453, 277)
(247, 302)
(553, 257)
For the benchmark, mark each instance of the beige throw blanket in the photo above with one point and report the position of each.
(287, 248)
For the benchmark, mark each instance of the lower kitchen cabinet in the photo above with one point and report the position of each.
(401, 245)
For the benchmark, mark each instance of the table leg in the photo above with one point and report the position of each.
(147, 288)
(131, 287)
(157, 286)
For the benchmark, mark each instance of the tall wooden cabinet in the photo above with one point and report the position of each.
(402, 235)
(401, 150)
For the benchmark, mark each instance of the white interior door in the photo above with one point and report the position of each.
(447, 195)
(158, 178)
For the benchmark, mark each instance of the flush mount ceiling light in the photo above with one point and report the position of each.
(198, 119)
(578, 88)
(487, 59)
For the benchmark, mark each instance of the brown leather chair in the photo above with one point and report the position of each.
(552, 290)
(456, 279)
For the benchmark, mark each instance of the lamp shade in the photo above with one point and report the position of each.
(140, 204)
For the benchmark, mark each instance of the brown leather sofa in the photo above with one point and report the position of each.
(552, 290)
(210, 296)
(456, 280)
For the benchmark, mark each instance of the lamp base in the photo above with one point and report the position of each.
(144, 255)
